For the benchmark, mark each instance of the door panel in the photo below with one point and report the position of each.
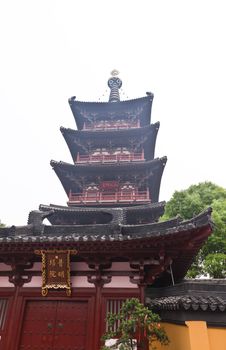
(38, 325)
(54, 325)
(71, 326)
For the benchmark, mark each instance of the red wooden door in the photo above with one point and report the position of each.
(54, 325)
(71, 326)
(38, 325)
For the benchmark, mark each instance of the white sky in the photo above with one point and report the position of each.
(51, 50)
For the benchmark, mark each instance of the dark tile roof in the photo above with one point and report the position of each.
(70, 174)
(81, 168)
(78, 140)
(39, 232)
(140, 107)
(148, 207)
(192, 299)
(186, 302)
(145, 207)
(119, 215)
(179, 240)
(173, 225)
(146, 130)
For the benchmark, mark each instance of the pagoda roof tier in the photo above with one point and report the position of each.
(72, 215)
(73, 177)
(82, 141)
(174, 242)
(129, 109)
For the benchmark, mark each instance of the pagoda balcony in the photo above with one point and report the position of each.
(107, 125)
(109, 198)
(110, 158)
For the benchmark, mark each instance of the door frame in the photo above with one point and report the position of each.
(17, 312)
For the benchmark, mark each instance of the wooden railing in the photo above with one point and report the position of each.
(106, 125)
(109, 197)
(109, 158)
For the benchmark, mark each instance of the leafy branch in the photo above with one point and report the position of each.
(134, 321)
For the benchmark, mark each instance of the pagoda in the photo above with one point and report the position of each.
(111, 219)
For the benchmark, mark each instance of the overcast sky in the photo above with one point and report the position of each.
(51, 50)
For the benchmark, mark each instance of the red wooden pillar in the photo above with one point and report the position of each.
(142, 291)
(98, 280)
(97, 320)
(13, 323)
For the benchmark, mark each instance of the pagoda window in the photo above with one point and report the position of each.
(91, 192)
(96, 152)
(88, 125)
(121, 150)
(114, 155)
(127, 192)
(100, 151)
(110, 192)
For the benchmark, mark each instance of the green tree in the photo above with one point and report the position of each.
(134, 321)
(215, 265)
(191, 202)
(1, 224)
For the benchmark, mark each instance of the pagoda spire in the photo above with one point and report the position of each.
(114, 84)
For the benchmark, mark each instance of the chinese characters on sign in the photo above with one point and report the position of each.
(56, 270)
(55, 267)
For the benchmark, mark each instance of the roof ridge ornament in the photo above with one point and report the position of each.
(114, 72)
(114, 84)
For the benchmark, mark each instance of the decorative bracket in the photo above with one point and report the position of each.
(18, 275)
(147, 272)
(19, 264)
(98, 279)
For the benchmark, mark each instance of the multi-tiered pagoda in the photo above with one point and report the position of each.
(111, 220)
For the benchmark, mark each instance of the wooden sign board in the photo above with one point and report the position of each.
(56, 270)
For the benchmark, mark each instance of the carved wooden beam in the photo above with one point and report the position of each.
(19, 263)
(97, 278)
(147, 272)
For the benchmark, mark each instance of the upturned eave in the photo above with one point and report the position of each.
(71, 175)
(83, 111)
(79, 141)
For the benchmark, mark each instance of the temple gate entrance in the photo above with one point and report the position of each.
(55, 325)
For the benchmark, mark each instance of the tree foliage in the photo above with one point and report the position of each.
(1, 224)
(134, 321)
(191, 202)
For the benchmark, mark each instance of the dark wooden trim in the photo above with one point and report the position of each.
(120, 292)
(79, 273)
(35, 293)
(6, 292)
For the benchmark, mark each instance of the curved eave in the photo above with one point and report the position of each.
(179, 242)
(60, 208)
(154, 232)
(88, 110)
(118, 214)
(77, 140)
(71, 175)
(108, 234)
